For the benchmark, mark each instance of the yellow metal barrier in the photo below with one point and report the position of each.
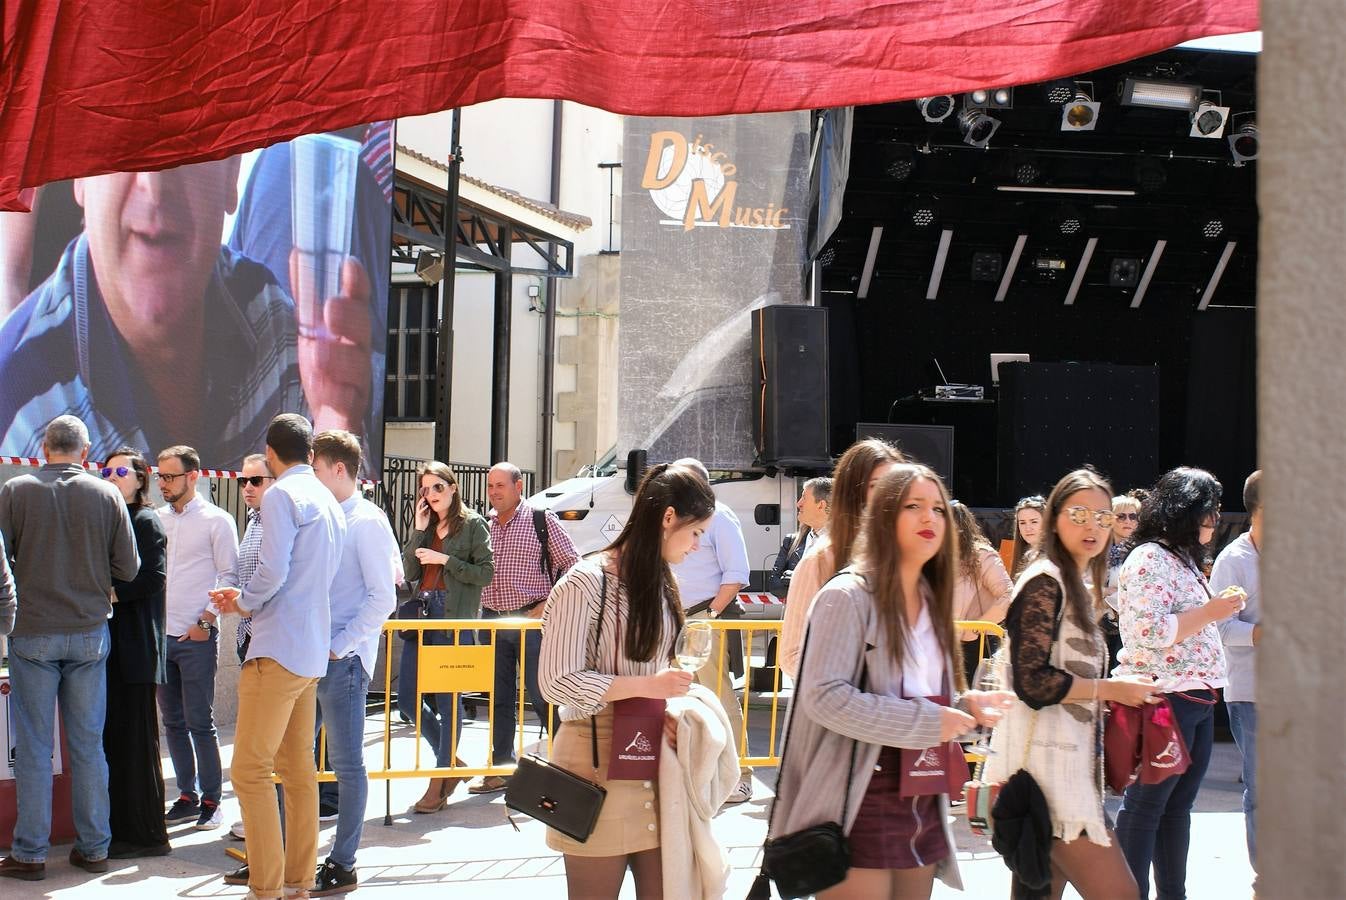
(469, 668)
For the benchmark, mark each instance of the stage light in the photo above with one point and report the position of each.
(1160, 94)
(901, 161)
(1243, 143)
(1212, 226)
(977, 127)
(986, 266)
(1124, 272)
(990, 98)
(1001, 98)
(936, 109)
(922, 216)
(1068, 221)
(1060, 91)
(1027, 172)
(979, 97)
(1081, 114)
(1208, 120)
(827, 257)
(1150, 176)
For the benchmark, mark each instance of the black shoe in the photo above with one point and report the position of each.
(327, 812)
(238, 876)
(184, 809)
(80, 861)
(332, 879)
(127, 850)
(211, 816)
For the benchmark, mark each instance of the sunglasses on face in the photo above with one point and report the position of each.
(1080, 515)
(121, 471)
(254, 480)
(438, 487)
(1127, 517)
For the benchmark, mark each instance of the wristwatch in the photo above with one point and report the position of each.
(204, 624)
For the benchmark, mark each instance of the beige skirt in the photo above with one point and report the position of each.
(629, 820)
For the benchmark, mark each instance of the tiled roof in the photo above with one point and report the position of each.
(556, 214)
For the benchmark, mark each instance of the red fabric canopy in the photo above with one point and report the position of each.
(91, 86)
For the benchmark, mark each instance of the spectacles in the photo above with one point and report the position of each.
(169, 476)
(122, 471)
(1080, 515)
(438, 487)
(254, 480)
(1128, 517)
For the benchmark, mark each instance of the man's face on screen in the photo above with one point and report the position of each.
(154, 238)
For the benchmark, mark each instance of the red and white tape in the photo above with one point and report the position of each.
(768, 599)
(95, 466)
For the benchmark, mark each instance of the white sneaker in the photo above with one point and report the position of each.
(236, 830)
(212, 816)
(741, 793)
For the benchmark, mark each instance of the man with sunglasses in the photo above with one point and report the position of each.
(202, 553)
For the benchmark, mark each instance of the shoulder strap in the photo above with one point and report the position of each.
(598, 639)
(540, 526)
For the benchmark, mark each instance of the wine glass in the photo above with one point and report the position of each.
(694, 645)
(988, 678)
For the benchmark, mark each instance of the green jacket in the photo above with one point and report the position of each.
(469, 569)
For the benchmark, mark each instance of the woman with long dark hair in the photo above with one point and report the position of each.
(448, 559)
(877, 683)
(859, 468)
(1058, 659)
(983, 587)
(135, 666)
(587, 664)
(1027, 527)
(1169, 635)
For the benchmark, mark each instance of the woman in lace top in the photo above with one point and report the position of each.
(1057, 657)
(1168, 624)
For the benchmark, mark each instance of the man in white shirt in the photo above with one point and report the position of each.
(202, 550)
(1238, 564)
(709, 580)
(363, 596)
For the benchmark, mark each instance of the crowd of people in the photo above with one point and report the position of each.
(115, 609)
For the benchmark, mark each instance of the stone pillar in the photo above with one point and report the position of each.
(1302, 446)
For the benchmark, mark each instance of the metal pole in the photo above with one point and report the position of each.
(444, 366)
(504, 290)
(549, 316)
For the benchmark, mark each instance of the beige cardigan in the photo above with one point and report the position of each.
(829, 712)
(693, 783)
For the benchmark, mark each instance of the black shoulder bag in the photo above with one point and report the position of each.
(557, 797)
(817, 858)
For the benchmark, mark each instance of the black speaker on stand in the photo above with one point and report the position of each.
(790, 425)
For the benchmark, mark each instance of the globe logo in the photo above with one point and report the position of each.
(673, 199)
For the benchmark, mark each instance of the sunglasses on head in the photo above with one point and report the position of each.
(438, 487)
(1080, 515)
(122, 471)
(254, 480)
(1128, 517)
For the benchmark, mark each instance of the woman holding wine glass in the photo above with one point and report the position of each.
(879, 681)
(608, 636)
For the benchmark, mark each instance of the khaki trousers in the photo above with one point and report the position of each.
(716, 676)
(276, 711)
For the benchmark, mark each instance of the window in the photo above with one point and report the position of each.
(413, 348)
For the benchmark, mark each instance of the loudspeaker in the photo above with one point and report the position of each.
(929, 445)
(790, 425)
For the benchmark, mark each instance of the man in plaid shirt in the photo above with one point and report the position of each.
(519, 588)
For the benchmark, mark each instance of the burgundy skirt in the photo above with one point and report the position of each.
(892, 831)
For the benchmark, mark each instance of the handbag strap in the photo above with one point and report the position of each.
(598, 650)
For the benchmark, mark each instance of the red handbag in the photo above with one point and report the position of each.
(1145, 742)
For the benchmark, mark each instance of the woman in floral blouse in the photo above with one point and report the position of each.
(1168, 624)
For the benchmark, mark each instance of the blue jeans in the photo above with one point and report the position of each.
(1243, 723)
(341, 707)
(187, 706)
(71, 668)
(441, 714)
(1154, 824)
(505, 698)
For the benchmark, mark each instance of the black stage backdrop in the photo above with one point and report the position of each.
(1206, 410)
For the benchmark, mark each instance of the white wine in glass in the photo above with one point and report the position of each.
(694, 645)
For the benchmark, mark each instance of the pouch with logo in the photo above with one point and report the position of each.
(637, 737)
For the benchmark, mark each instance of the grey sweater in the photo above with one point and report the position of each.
(67, 535)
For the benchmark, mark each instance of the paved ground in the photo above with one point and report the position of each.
(469, 851)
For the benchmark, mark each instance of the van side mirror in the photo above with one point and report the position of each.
(766, 514)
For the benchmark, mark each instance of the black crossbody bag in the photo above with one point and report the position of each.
(816, 858)
(557, 797)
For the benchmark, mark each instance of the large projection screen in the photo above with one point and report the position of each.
(191, 305)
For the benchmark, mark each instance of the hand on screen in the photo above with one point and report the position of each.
(336, 371)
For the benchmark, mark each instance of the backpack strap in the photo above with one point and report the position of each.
(540, 526)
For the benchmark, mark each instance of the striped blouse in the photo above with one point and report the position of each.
(572, 673)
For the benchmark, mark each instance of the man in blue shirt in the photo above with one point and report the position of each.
(289, 600)
(363, 596)
(709, 580)
(1237, 564)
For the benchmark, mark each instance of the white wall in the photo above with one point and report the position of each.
(507, 143)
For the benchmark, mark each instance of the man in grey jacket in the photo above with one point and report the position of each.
(68, 534)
